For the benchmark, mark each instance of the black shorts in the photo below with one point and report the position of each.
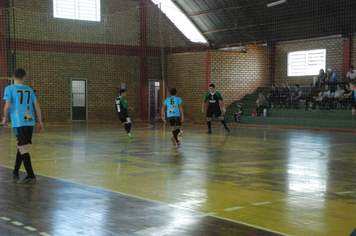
(124, 117)
(175, 121)
(213, 111)
(23, 135)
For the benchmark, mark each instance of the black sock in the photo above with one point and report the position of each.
(128, 127)
(27, 163)
(18, 163)
(209, 124)
(176, 132)
(223, 122)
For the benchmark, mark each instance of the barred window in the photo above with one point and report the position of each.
(77, 9)
(304, 63)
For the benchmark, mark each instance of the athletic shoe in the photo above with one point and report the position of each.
(27, 180)
(209, 131)
(15, 177)
(174, 142)
(129, 135)
(178, 144)
(227, 129)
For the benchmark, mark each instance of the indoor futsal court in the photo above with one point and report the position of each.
(262, 90)
(92, 180)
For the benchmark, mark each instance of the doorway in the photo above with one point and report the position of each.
(154, 95)
(79, 91)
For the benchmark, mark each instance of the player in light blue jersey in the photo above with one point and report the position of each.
(175, 114)
(20, 101)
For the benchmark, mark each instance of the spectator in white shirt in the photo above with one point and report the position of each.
(351, 75)
(337, 95)
(324, 98)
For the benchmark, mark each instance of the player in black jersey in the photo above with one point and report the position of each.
(214, 107)
(121, 106)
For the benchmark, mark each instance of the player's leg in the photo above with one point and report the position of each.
(222, 120)
(24, 138)
(172, 124)
(238, 118)
(128, 127)
(18, 162)
(177, 125)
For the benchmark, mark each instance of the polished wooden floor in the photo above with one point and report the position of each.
(92, 180)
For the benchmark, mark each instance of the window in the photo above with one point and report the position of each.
(77, 9)
(180, 20)
(303, 63)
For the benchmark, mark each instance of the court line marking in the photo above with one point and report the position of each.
(17, 223)
(44, 234)
(234, 208)
(207, 214)
(163, 203)
(260, 203)
(346, 192)
(27, 227)
(30, 228)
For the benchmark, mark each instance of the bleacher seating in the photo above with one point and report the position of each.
(329, 119)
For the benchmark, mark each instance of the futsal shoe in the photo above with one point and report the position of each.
(209, 131)
(174, 142)
(15, 177)
(27, 180)
(129, 135)
(227, 129)
(180, 133)
(178, 144)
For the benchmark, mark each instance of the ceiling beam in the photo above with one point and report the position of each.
(223, 9)
(275, 22)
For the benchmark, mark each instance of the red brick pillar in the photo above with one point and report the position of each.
(346, 56)
(3, 53)
(143, 62)
(273, 58)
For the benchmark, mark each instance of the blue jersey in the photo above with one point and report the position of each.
(22, 98)
(172, 104)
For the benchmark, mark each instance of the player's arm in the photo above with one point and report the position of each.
(222, 102)
(163, 111)
(40, 127)
(204, 102)
(6, 111)
(181, 112)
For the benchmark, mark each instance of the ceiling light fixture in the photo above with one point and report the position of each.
(276, 3)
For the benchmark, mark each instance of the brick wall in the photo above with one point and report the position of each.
(101, 71)
(187, 73)
(334, 58)
(34, 20)
(103, 66)
(238, 74)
